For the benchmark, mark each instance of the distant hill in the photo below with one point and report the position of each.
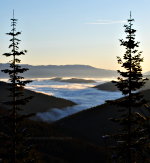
(109, 86)
(62, 71)
(73, 80)
(147, 73)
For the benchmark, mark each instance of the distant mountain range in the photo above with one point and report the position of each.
(43, 71)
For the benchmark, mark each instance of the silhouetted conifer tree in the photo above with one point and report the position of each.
(132, 141)
(17, 148)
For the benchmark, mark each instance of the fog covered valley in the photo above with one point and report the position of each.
(83, 94)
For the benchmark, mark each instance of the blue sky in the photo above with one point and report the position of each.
(75, 31)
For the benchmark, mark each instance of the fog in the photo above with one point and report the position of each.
(82, 94)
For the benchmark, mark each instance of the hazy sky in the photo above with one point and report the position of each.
(75, 31)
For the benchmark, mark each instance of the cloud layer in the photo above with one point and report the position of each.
(81, 94)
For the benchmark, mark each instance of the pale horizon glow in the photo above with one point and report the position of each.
(84, 32)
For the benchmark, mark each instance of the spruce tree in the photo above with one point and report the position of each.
(16, 149)
(131, 142)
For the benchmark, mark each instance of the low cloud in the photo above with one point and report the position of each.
(103, 22)
(84, 96)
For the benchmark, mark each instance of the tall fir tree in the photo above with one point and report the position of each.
(16, 149)
(131, 142)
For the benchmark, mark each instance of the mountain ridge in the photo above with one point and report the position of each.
(76, 70)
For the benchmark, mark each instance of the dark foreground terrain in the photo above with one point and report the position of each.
(74, 139)
(52, 144)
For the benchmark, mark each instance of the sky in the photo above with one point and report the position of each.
(59, 32)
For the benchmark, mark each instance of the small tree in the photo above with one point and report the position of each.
(17, 83)
(132, 140)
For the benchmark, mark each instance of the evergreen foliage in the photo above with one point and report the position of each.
(133, 141)
(15, 143)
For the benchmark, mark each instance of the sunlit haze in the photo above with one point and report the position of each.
(59, 32)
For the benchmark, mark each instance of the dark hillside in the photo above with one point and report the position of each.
(39, 103)
(94, 123)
